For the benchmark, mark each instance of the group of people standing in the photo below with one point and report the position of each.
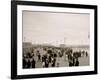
(48, 58)
(28, 61)
(73, 57)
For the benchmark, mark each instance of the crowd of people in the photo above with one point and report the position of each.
(48, 57)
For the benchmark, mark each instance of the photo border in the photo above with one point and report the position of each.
(14, 38)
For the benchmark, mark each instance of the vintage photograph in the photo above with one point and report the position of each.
(55, 39)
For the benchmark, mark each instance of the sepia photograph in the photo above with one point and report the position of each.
(55, 39)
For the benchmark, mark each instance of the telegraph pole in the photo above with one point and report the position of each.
(24, 39)
(64, 40)
(88, 35)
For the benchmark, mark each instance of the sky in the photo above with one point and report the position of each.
(56, 28)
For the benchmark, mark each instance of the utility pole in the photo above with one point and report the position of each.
(88, 35)
(64, 40)
(24, 39)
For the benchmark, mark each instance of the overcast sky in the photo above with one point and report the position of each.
(54, 28)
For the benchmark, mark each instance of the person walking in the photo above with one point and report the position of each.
(77, 62)
(33, 63)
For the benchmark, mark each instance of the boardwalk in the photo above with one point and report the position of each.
(83, 61)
